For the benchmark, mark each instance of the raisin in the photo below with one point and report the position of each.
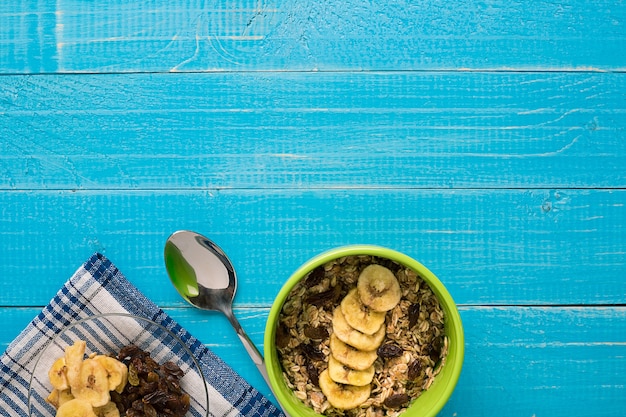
(170, 368)
(152, 377)
(133, 377)
(434, 349)
(313, 372)
(396, 400)
(173, 385)
(316, 332)
(414, 314)
(156, 397)
(146, 387)
(312, 352)
(149, 410)
(153, 390)
(389, 350)
(137, 405)
(128, 352)
(324, 298)
(138, 363)
(415, 370)
(282, 336)
(184, 402)
(315, 277)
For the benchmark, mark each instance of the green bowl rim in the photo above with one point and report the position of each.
(384, 252)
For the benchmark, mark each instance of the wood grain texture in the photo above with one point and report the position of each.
(294, 130)
(488, 246)
(485, 138)
(556, 361)
(180, 35)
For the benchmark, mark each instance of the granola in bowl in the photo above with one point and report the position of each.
(404, 361)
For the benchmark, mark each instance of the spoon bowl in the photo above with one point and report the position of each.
(200, 271)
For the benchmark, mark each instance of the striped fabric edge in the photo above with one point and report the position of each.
(74, 301)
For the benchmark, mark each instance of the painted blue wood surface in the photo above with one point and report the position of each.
(490, 247)
(269, 130)
(305, 35)
(487, 139)
(557, 361)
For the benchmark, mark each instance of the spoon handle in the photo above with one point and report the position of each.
(252, 350)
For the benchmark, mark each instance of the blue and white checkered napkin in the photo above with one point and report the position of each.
(99, 287)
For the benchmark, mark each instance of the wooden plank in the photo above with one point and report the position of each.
(290, 130)
(180, 35)
(488, 246)
(542, 361)
(557, 361)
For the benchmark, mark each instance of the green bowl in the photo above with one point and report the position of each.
(427, 404)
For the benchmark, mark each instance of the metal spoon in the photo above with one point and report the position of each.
(202, 273)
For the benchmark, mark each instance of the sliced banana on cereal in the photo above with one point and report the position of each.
(360, 316)
(379, 288)
(76, 408)
(343, 396)
(353, 337)
(93, 384)
(117, 372)
(107, 410)
(58, 374)
(342, 374)
(350, 356)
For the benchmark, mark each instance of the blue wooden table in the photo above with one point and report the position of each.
(487, 139)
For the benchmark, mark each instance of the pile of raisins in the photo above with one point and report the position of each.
(153, 390)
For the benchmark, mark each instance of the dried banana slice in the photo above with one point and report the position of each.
(342, 374)
(350, 356)
(117, 372)
(353, 337)
(59, 397)
(74, 356)
(360, 316)
(378, 288)
(76, 408)
(58, 374)
(90, 382)
(343, 396)
(108, 410)
(93, 384)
